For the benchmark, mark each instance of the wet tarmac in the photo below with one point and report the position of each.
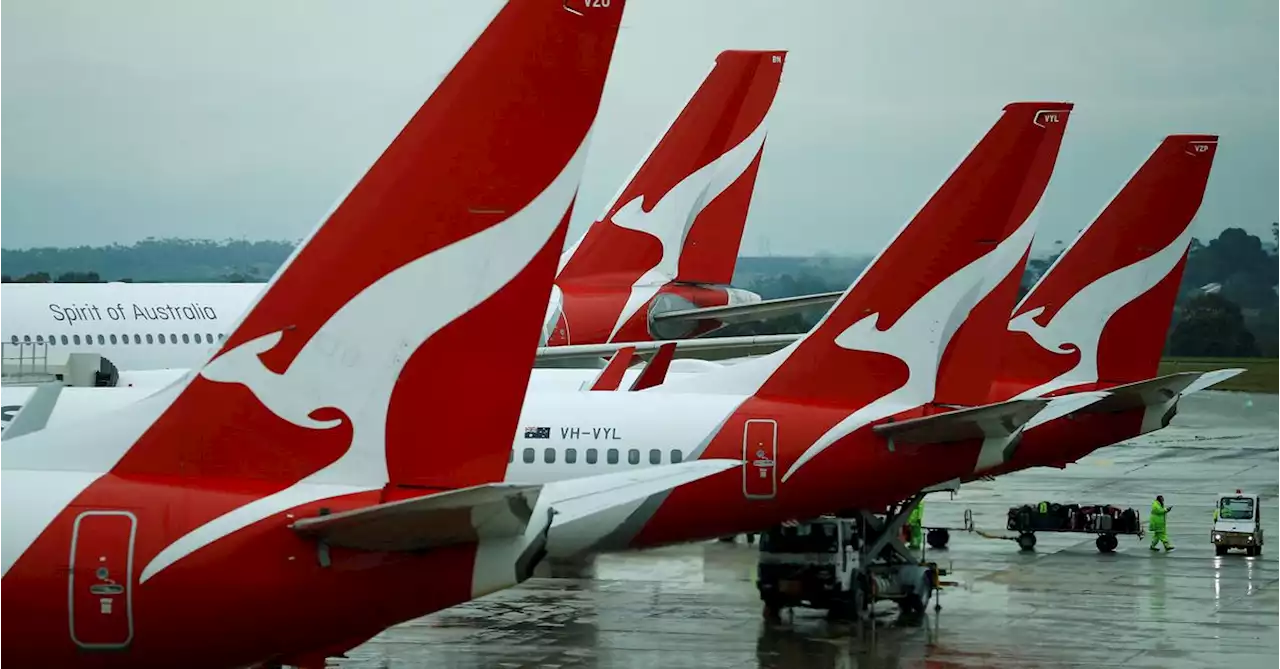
(1064, 605)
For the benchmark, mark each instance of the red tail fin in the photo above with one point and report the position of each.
(449, 242)
(654, 372)
(970, 364)
(611, 376)
(682, 213)
(1100, 314)
(888, 332)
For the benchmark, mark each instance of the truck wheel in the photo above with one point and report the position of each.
(772, 611)
(938, 538)
(1251, 551)
(1220, 550)
(912, 603)
(1106, 543)
(1027, 541)
(842, 608)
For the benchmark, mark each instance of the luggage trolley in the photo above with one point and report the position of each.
(1105, 520)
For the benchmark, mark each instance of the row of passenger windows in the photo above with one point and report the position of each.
(102, 340)
(592, 456)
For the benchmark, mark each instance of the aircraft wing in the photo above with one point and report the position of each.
(710, 348)
(746, 313)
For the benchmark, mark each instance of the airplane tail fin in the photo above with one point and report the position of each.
(681, 214)
(347, 370)
(888, 332)
(1100, 315)
(970, 364)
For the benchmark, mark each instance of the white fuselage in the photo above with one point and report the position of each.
(135, 326)
(554, 442)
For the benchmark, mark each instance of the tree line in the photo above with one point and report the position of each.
(1226, 307)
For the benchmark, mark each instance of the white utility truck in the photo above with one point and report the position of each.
(1237, 523)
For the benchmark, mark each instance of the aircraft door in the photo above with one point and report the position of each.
(760, 459)
(101, 573)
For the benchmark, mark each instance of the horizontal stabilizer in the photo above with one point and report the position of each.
(715, 348)
(1152, 392)
(496, 510)
(465, 515)
(1211, 378)
(35, 412)
(991, 420)
(997, 426)
(590, 511)
(575, 499)
(749, 313)
(951, 485)
(1065, 404)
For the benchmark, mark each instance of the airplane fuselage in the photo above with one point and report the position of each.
(86, 564)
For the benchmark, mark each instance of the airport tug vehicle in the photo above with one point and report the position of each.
(1237, 523)
(843, 564)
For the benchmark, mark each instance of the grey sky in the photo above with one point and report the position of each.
(246, 119)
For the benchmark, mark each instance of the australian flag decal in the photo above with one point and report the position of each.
(537, 433)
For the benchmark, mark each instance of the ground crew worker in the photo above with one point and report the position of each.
(916, 522)
(1157, 525)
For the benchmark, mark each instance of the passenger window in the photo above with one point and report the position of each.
(160, 337)
(570, 456)
(208, 338)
(676, 456)
(113, 339)
(612, 456)
(75, 339)
(655, 457)
(137, 339)
(26, 339)
(529, 455)
(633, 456)
(39, 339)
(53, 339)
(549, 455)
(173, 338)
(64, 340)
(101, 340)
(511, 456)
(592, 456)
(220, 335)
(13, 340)
(124, 339)
(150, 340)
(185, 338)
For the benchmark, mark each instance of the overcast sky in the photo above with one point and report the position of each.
(246, 119)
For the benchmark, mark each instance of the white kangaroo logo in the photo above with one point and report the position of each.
(920, 336)
(353, 361)
(671, 218)
(1079, 324)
